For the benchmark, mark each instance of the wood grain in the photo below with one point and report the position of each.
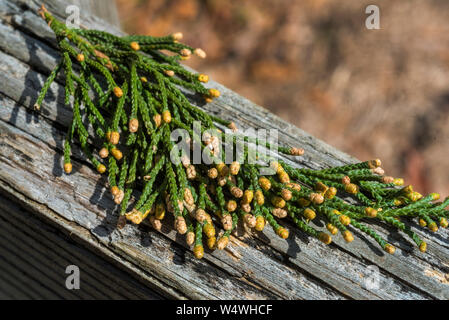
(262, 266)
(28, 246)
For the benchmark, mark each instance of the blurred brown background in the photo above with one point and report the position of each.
(371, 93)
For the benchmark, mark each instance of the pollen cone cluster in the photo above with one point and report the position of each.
(128, 100)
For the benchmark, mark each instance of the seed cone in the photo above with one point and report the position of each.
(222, 243)
(198, 251)
(67, 168)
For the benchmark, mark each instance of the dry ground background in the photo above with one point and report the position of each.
(372, 93)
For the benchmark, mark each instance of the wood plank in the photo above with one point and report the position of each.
(407, 275)
(27, 236)
(84, 238)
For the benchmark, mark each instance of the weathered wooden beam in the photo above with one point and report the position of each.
(260, 267)
(37, 254)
